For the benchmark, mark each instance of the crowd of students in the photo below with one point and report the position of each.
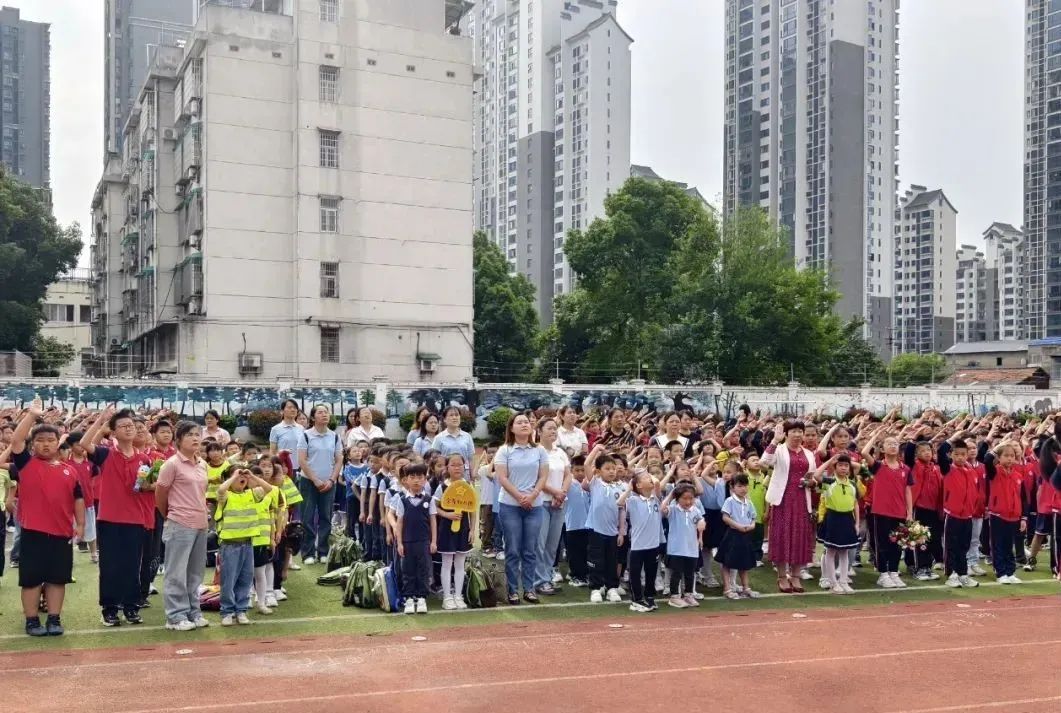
(637, 503)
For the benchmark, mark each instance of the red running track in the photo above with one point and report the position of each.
(919, 658)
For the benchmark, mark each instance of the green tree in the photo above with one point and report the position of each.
(34, 251)
(851, 362)
(506, 324)
(50, 355)
(916, 370)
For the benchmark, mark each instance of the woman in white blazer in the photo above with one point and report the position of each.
(791, 529)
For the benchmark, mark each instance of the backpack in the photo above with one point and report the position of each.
(385, 581)
(210, 599)
(359, 591)
(484, 585)
(334, 577)
(343, 552)
(211, 549)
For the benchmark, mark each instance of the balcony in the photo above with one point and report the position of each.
(189, 279)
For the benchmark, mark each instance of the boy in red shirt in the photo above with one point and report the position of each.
(928, 502)
(963, 487)
(75, 456)
(52, 511)
(1007, 506)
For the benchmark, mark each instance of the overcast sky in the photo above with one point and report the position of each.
(961, 98)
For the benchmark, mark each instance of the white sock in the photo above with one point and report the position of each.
(829, 565)
(447, 575)
(259, 585)
(269, 574)
(843, 572)
(706, 569)
(458, 574)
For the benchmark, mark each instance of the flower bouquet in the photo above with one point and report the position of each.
(911, 536)
(148, 476)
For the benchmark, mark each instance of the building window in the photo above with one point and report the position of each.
(329, 148)
(329, 279)
(330, 345)
(329, 84)
(329, 10)
(86, 314)
(330, 214)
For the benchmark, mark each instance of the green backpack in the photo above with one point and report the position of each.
(343, 552)
(359, 591)
(334, 577)
(483, 586)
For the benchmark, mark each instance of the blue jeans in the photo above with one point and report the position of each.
(498, 542)
(319, 528)
(521, 545)
(237, 574)
(548, 542)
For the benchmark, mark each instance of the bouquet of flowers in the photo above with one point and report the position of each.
(911, 536)
(148, 476)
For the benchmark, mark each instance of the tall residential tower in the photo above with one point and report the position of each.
(811, 123)
(25, 98)
(552, 128)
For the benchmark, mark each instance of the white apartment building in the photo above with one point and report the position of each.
(68, 315)
(925, 269)
(970, 295)
(1004, 260)
(552, 127)
(811, 125)
(294, 201)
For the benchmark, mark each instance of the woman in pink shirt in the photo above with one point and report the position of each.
(180, 495)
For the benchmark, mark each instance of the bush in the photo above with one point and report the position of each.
(406, 421)
(379, 418)
(260, 422)
(497, 421)
(228, 422)
(333, 422)
(468, 420)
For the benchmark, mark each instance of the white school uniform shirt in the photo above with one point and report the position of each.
(558, 462)
(574, 440)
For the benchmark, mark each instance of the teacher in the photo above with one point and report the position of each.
(791, 533)
(320, 458)
(521, 469)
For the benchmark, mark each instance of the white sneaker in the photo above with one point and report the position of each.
(295, 566)
(848, 589)
(677, 602)
(836, 589)
(309, 560)
(967, 581)
(421, 606)
(659, 583)
(638, 607)
(228, 620)
(885, 582)
(711, 582)
(976, 570)
(459, 603)
(241, 618)
(954, 580)
(201, 623)
(180, 626)
(501, 556)
(622, 591)
(280, 595)
(271, 600)
(805, 574)
(697, 596)
(596, 597)
(824, 583)
(614, 596)
(1014, 579)
(262, 609)
(896, 581)
(410, 606)
(447, 603)
(152, 589)
(557, 577)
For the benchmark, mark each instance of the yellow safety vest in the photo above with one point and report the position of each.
(291, 494)
(238, 519)
(214, 478)
(266, 518)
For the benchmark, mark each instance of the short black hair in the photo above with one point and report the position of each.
(739, 479)
(123, 414)
(577, 461)
(72, 439)
(250, 445)
(213, 446)
(42, 429)
(160, 424)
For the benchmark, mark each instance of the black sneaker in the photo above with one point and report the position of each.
(82, 547)
(651, 602)
(54, 627)
(14, 564)
(144, 604)
(133, 617)
(111, 619)
(34, 628)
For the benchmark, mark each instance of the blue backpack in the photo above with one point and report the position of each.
(390, 598)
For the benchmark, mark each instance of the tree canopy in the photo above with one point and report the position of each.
(50, 355)
(506, 324)
(916, 370)
(34, 251)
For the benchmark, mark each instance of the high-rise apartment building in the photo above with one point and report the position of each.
(970, 291)
(552, 127)
(133, 31)
(1041, 308)
(1005, 286)
(811, 124)
(25, 98)
(293, 200)
(925, 269)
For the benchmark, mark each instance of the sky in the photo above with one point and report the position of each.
(960, 112)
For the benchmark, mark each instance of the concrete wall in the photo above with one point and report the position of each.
(78, 293)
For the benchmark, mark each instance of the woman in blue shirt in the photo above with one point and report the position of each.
(428, 429)
(454, 440)
(286, 435)
(521, 469)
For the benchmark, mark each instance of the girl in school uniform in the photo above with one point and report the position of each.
(839, 528)
(685, 527)
(453, 546)
(641, 501)
(737, 551)
(893, 502)
(1008, 506)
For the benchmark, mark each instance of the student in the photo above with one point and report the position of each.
(232, 452)
(268, 531)
(711, 500)
(120, 520)
(487, 495)
(414, 537)
(453, 546)
(737, 549)
(758, 482)
(52, 510)
(249, 453)
(685, 528)
(216, 473)
(1007, 506)
(641, 503)
(8, 490)
(284, 549)
(839, 528)
(928, 502)
(78, 459)
(370, 513)
(962, 486)
(576, 532)
(238, 524)
(162, 447)
(893, 503)
(353, 472)
(603, 522)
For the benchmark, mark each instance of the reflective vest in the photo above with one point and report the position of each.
(266, 509)
(214, 478)
(291, 494)
(238, 519)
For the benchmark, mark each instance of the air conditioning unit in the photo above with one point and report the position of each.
(427, 366)
(191, 173)
(193, 240)
(115, 341)
(170, 134)
(192, 107)
(250, 363)
(179, 189)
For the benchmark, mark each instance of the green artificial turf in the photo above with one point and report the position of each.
(316, 610)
